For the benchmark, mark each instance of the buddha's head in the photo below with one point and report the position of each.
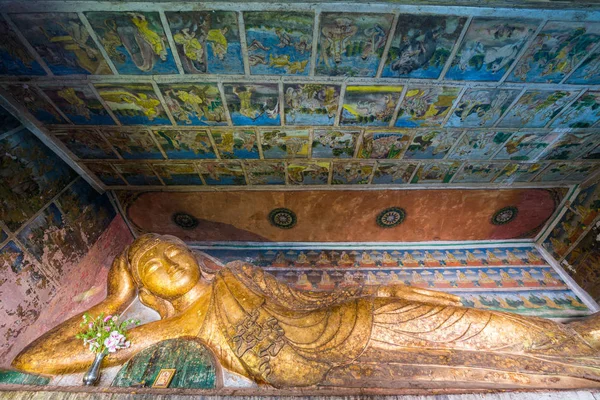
(163, 267)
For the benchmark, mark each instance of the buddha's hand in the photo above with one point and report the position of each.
(120, 282)
(419, 295)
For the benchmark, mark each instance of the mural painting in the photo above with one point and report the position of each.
(481, 107)
(589, 71)
(489, 48)
(177, 173)
(369, 105)
(85, 143)
(426, 106)
(27, 290)
(502, 279)
(555, 51)
(525, 146)
(570, 146)
(105, 173)
(3, 236)
(308, 173)
(352, 172)
(185, 144)
(63, 42)
(478, 173)
(442, 172)
(311, 104)
(135, 41)
(28, 97)
(237, 143)
(478, 145)
(536, 108)
(382, 145)
(134, 103)
(279, 43)
(192, 104)
(46, 238)
(87, 214)
(14, 57)
(79, 104)
(583, 171)
(431, 144)
(7, 121)
(133, 144)
(564, 172)
(30, 175)
(334, 143)
(584, 113)
(580, 214)
(207, 41)
(253, 104)
(284, 143)
(594, 154)
(584, 260)
(138, 174)
(519, 173)
(422, 45)
(393, 173)
(352, 44)
(222, 173)
(265, 172)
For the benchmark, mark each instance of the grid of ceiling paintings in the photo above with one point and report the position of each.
(302, 98)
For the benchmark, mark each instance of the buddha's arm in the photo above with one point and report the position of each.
(58, 350)
(405, 292)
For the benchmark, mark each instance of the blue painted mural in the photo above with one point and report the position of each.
(79, 104)
(134, 103)
(556, 50)
(207, 41)
(253, 104)
(352, 44)
(14, 58)
(195, 104)
(489, 48)
(86, 143)
(279, 43)
(185, 144)
(422, 45)
(135, 41)
(63, 42)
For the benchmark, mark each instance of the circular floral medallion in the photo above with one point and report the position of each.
(505, 215)
(391, 217)
(282, 218)
(184, 220)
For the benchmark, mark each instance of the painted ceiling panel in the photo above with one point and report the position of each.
(352, 216)
(245, 94)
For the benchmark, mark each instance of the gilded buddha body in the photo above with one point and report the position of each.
(373, 336)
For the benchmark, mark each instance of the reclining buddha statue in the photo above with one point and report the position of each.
(369, 336)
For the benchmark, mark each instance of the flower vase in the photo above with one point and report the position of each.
(92, 376)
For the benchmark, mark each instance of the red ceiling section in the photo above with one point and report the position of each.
(346, 216)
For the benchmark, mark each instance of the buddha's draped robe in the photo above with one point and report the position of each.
(261, 327)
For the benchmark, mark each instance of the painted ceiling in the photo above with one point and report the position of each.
(343, 216)
(177, 94)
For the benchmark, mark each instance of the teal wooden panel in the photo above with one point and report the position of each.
(8, 377)
(194, 364)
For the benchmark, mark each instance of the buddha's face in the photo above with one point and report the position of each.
(168, 270)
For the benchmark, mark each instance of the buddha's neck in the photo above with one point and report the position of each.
(182, 303)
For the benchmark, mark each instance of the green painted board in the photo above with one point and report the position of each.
(8, 377)
(194, 364)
